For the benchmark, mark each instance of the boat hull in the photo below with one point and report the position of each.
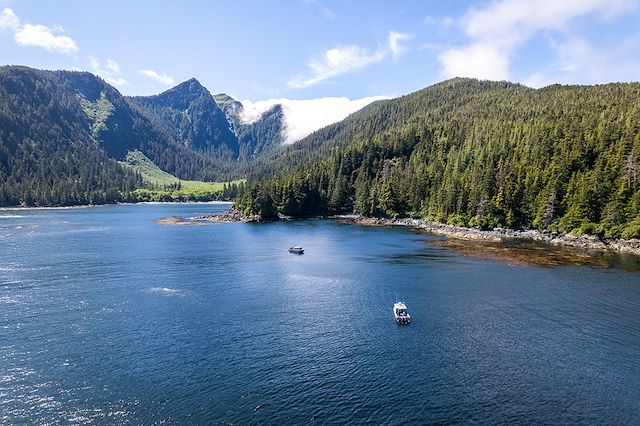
(400, 313)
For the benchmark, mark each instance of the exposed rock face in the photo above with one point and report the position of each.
(257, 137)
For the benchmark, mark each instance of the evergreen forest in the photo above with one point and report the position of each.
(471, 153)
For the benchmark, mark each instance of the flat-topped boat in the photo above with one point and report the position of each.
(400, 313)
(296, 250)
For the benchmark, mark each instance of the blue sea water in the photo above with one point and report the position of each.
(109, 317)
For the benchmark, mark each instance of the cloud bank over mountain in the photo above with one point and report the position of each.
(303, 117)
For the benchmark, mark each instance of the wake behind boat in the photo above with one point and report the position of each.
(400, 313)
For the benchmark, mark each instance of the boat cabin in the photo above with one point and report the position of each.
(400, 313)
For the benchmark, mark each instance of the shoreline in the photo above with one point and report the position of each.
(83, 206)
(90, 206)
(498, 235)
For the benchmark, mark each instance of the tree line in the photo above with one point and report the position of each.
(473, 153)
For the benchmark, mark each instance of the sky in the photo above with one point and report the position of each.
(324, 57)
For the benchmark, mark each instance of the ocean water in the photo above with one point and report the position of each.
(109, 317)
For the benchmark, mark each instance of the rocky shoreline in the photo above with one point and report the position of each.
(587, 242)
(233, 215)
(228, 216)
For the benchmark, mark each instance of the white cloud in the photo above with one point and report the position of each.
(94, 63)
(479, 60)
(512, 21)
(37, 35)
(580, 61)
(8, 19)
(302, 117)
(110, 73)
(497, 31)
(337, 61)
(42, 36)
(160, 78)
(395, 38)
(113, 66)
(118, 82)
(347, 59)
(538, 80)
(447, 22)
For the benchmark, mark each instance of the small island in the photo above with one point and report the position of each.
(227, 217)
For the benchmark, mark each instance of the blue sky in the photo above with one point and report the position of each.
(307, 49)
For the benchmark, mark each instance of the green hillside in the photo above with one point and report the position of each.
(51, 123)
(63, 134)
(163, 186)
(473, 153)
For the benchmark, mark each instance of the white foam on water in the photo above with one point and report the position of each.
(10, 300)
(165, 290)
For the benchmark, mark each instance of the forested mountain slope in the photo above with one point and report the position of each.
(49, 150)
(472, 153)
(62, 132)
(189, 113)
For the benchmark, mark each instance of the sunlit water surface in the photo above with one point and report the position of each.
(107, 316)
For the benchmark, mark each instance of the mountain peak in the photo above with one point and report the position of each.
(191, 86)
(192, 82)
(229, 105)
(224, 97)
(193, 117)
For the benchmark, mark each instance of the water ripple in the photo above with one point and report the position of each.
(126, 322)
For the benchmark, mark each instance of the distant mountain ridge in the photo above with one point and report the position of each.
(56, 126)
(189, 112)
(463, 151)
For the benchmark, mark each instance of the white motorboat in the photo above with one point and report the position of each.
(400, 313)
(296, 250)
